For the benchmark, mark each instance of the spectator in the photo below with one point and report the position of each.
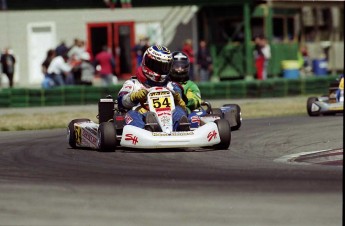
(262, 54)
(106, 62)
(126, 3)
(340, 91)
(74, 55)
(138, 49)
(61, 48)
(60, 70)
(146, 45)
(77, 50)
(204, 61)
(48, 80)
(113, 3)
(7, 63)
(304, 61)
(266, 51)
(3, 4)
(188, 50)
(87, 70)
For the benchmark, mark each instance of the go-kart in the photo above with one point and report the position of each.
(230, 112)
(112, 132)
(327, 104)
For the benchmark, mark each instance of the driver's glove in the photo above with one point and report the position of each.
(140, 95)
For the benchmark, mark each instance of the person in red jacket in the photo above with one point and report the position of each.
(188, 50)
(105, 61)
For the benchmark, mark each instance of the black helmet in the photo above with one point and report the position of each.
(180, 67)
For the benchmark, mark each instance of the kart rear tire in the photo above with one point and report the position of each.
(310, 102)
(238, 116)
(71, 136)
(107, 137)
(224, 130)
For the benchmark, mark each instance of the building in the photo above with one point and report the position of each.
(32, 27)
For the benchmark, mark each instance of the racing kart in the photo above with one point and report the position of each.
(327, 104)
(229, 112)
(112, 132)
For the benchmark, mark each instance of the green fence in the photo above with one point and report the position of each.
(230, 61)
(80, 95)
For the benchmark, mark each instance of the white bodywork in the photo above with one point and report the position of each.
(86, 134)
(204, 136)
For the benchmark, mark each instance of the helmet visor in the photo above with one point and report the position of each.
(159, 67)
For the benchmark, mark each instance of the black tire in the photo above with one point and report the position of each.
(224, 130)
(217, 111)
(71, 136)
(237, 116)
(107, 137)
(106, 111)
(310, 102)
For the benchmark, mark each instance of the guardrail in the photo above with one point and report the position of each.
(80, 95)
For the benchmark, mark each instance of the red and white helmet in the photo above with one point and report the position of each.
(156, 63)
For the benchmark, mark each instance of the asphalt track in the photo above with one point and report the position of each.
(44, 182)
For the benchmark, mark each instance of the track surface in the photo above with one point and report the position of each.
(44, 182)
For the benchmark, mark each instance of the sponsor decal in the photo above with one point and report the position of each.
(160, 134)
(195, 119)
(77, 131)
(162, 93)
(119, 118)
(131, 137)
(159, 113)
(91, 130)
(180, 56)
(128, 119)
(336, 108)
(106, 100)
(89, 137)
(211, 135)
(166, 120)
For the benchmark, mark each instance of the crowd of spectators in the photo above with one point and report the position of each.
(75, 65)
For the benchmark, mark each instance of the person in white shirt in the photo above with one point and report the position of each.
(60, 71)
(266, 51)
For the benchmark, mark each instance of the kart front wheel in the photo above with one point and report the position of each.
(107, 136)
(71, 133)
(224, 130)
(238, 116)
(310, 102)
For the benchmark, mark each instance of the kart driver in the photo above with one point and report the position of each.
(180, 73)
(154, 71)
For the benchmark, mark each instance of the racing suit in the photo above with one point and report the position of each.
(192, 98)
(136, 114)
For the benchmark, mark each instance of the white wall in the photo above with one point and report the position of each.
(70, 24)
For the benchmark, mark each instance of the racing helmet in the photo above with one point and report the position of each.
(156, 63)
(180, 67)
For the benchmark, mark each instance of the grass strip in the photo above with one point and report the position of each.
(250, 108)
